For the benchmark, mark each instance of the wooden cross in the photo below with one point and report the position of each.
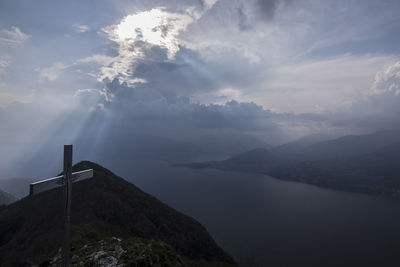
(66, 181)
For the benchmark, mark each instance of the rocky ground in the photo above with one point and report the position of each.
(118, 252)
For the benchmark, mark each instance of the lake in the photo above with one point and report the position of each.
(263, 221)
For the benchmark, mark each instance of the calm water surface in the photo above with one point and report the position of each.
(263, 221)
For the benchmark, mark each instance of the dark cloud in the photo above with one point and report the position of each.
(267, 8)
(142, 103)
(186, 75)
(263, 10)
(244, 23)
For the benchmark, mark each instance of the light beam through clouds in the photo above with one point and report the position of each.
(272, 69)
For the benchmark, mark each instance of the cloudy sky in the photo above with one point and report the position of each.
(270, 69)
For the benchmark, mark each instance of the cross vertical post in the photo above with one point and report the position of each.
(67, 196)
(65, 180)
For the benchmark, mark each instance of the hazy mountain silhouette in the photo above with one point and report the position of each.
(228, 144)
(364, 163)
(375, 172)
(17, 186)
(106, 206)
(6, 198)
(319, 147)
(349, 146)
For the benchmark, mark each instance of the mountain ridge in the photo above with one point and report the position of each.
(104, 206)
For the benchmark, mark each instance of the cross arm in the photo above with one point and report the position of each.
(47, 184)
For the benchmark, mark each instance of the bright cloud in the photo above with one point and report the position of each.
(52, 73)
(80, 28)
(3, 63)
(156, 27)
(388, 80)
(13, 35)
(320, 85)
(139, 32)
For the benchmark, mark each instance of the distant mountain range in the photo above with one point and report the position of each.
(360, 163)
(111, 218)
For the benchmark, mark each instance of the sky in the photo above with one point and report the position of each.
(245, 73)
